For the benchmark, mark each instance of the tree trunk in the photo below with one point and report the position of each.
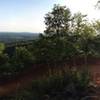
(86, 61)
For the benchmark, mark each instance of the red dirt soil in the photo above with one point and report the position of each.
(37, 72)
(22, 80)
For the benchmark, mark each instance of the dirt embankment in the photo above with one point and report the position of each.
(36, 72)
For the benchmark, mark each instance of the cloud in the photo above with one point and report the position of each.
(84, 6)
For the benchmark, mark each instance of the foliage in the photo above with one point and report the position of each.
(22, 58)
(57, 21)
(2, 47)
(53, 49)
(12, 66)
(71, 85)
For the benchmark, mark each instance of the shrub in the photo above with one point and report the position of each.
(72, 85)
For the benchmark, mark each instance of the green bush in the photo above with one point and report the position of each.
(12, 66)
(72, 85)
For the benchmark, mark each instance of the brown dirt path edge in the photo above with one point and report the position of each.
(24, 79)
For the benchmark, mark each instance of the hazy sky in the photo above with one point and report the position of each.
(28, 15)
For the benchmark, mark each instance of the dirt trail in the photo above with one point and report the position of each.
(26, 78)
(22, 80)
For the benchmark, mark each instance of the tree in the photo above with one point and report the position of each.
(78, 21)
(57, 35)
(84, 33)
(98, 4)
(22, 59)
(2, 47)
(96, 41)
(57, 21)
(96, 26)
(66, 37)
(86, 42)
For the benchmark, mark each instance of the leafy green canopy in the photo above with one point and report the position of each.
(57, 21)
(67, 36)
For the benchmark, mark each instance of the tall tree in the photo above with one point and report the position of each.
(57, 21)
(78, 21)
(84, 33)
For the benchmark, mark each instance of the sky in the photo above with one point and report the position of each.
(28, 15)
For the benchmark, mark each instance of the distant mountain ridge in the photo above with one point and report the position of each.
(8, 37)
